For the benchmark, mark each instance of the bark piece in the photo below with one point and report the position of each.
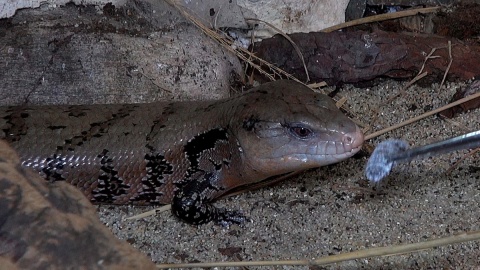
(53, 225)
(358, 56)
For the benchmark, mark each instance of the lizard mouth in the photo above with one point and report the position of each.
(352, 142)
(322, 153)
(275, 179)
(348, 145)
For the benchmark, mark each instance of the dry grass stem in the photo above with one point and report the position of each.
(229, 44)
(457, 124)
(415, 119)
(360, 254)
(376, 112)
(295, 46)
(317, 85)
(404, 88)
(339, 103)
(382, 17)
(151, 212)
(455, 165)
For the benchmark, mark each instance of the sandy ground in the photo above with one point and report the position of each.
(333, 210)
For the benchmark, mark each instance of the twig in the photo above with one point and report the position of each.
(449, 63)
(419, 76)
(429, 56)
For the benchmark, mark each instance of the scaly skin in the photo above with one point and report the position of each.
(184, 153)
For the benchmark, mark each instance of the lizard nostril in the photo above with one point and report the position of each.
(348, 139)
(355, 139)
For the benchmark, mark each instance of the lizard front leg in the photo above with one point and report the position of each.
(192, 203)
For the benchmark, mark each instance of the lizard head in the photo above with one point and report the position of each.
(286, 126)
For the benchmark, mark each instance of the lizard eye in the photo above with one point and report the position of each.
(301, 132)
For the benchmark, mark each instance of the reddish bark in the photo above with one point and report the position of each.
(359, 56)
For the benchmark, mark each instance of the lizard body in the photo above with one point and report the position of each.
(184, 153)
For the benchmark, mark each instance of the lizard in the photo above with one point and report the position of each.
(186, 153)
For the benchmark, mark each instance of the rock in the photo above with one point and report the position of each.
(52, 225)
(142, 52)
(295, 16)
(8, 8)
